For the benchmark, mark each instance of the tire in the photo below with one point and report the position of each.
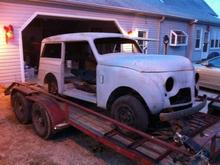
(129, 110)
(22, 108)
(41, 121)
(52, 86)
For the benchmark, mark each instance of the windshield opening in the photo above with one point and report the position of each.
(116, 45)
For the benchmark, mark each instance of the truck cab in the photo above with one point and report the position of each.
(111, 71)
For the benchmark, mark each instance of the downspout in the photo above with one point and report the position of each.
(191, 41)
(159, 34)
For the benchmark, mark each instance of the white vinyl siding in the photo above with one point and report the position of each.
(166, 27)
(18, 14)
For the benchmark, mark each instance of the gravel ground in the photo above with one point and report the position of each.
(19, 145)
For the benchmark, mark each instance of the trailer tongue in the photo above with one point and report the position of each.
(50, 113)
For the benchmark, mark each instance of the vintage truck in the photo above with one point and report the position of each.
(111, 71)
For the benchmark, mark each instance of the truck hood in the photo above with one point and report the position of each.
(147, 63)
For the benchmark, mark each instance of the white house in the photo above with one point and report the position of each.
(190, 27)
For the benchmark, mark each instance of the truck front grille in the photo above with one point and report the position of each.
(183, 96)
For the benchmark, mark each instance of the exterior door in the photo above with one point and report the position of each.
(205, 49)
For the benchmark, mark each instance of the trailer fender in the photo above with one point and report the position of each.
(56, 113)
(23, 89)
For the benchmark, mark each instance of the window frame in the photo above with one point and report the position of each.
(95, 41)
(173, 33)
(200, 39)
(145, 43)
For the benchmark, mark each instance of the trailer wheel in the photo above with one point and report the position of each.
(21, 108)
(129, 110)
(41, 121)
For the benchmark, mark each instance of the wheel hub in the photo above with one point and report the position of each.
(126, 115)
(39, 120)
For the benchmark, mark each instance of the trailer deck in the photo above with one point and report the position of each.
(157, 145)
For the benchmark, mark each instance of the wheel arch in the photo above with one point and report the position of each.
(53, 77)
(48, 77)
(21, 91)
(121, 91)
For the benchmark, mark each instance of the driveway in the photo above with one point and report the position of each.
(19, 145)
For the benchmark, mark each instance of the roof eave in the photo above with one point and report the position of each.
(120, 10)
(106, 8)
(209, 23)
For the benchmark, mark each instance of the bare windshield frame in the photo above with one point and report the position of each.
(116, 38)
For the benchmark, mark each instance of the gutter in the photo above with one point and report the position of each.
(159, 33)
(191, 39)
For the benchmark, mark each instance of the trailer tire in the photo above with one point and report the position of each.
(13, 94)
(129, 110)
(41, 121)
(22, 108)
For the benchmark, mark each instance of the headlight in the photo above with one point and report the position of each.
(169, 84)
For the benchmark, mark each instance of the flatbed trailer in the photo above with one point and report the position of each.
(52, 113)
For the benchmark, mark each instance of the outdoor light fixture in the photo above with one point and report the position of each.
(130, 32)
(9, 33)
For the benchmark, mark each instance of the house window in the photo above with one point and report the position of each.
(216, 43)
(178, 38)
(212, 43)
(215, 40)
(198, 39)
(142, 43)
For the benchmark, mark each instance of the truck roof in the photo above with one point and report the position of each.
(80, 36)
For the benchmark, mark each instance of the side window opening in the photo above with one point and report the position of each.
(52, 51)
(80, 66)
(116, 45)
